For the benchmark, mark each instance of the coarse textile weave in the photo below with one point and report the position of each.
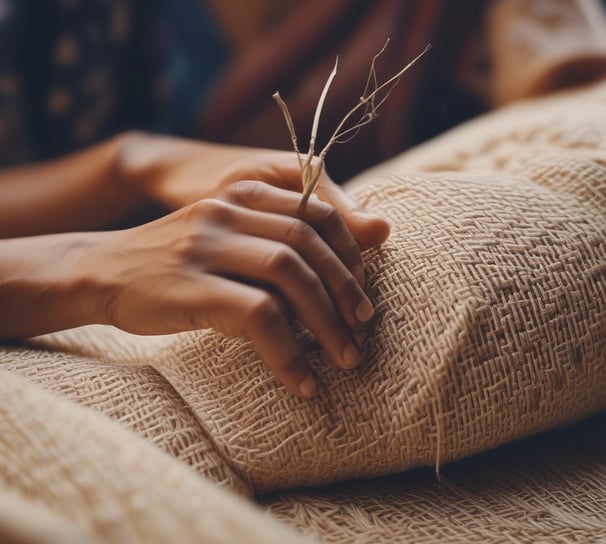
(491, 325)
(138, 397)
(549, 489)
(98, 482)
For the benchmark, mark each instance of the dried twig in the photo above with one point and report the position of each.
(312, 170)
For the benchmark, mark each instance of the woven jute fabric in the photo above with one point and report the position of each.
(104, 343)
(96, 479)
(491, 325)
(548, 489)
(137, 397)
(24, 521)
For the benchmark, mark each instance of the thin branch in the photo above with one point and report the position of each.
(291, 126)
(369, 109)
(322, 99)
(372, 73)
(312, 183)
(367, 99)
(310, 176)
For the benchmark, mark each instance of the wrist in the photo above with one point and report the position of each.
(84, 286)
(47, 285)
(140, 159)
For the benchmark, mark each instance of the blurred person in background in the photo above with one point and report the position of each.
(73, 73)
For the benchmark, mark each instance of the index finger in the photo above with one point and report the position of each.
(368, 229)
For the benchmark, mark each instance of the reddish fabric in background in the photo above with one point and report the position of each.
(297, 56)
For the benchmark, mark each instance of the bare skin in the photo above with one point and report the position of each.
(234, 256)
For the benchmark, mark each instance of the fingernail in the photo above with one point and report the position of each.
(358, 273)
(351, 356)
(364, 311)
(308, 386)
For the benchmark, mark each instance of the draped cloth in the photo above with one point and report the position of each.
(296, 56)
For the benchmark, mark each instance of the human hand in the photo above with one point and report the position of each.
(177, 172)
(242, 263)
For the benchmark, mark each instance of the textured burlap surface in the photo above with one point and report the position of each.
(548, 489)
(491, 326)
(138, 397)
(490, 300)
(96, 481)
(491, 314)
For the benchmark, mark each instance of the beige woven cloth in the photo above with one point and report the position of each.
(549, 489)
(491, 326)
(80, 477)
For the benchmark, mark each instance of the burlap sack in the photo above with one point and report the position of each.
(137, 397)
(549, 489)
(83, 478)
(491, 303)
(491, 325)
(491, 313)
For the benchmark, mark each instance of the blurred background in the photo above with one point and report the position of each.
(73, 72)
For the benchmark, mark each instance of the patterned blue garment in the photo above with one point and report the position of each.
(73, 72)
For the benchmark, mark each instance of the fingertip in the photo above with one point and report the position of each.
(382, 230)
(351, 357)
(308, 387)
(364, 311)
(369, 229)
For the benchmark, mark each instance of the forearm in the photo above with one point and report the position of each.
(43, 286)
(83, 191)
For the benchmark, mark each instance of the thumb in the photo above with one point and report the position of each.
(367, 228)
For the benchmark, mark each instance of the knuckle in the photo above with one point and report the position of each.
(312, 283)
(349, 288)
(244, 192)
(292, 367)
(263, 312)
(187, 246)
(283, 260)
(212, 210)
(300, 233)
(331, 324)
(331, 220)
(330, 216)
